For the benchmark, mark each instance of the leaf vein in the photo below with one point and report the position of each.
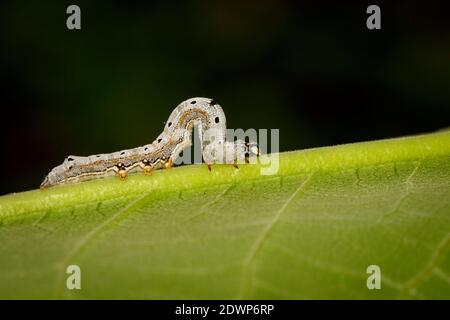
(257, 245)
(90, 236)
(423, 274)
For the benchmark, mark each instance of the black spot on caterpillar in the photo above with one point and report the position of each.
(169, 145)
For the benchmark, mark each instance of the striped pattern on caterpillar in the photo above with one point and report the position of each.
(201, 112)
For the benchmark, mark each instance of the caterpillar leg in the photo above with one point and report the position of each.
(209, 166)
(146, 167)
(169, 164)
(122, 173)
(148, 170)
(235, 165)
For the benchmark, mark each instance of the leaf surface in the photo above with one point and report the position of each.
(309, 231)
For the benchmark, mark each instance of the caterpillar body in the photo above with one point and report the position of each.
(176, 136)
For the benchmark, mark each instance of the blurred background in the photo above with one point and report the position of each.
(311, 69)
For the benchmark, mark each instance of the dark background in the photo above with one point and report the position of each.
(311, 69)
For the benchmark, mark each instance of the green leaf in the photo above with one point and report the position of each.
(310, 231)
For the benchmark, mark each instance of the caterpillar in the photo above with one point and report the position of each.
(176, 136)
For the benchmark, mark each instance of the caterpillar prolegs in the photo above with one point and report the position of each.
(176, 136)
